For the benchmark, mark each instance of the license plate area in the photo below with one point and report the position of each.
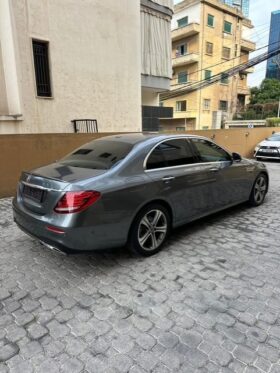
(33, 193)
(268, 151)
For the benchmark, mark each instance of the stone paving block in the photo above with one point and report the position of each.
(8, 351)
(208, 303)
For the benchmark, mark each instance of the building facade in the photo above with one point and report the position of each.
(273, 64)
(242, 5)
(65, 60)
(208, 37)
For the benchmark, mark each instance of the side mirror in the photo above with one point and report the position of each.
(236, 157)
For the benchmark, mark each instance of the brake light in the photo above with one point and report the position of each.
(76, 201)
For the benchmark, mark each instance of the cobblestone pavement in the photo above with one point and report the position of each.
(210, 302)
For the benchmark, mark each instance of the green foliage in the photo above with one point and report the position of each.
(273, 122)
(269, 91)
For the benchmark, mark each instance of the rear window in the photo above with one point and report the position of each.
(98, 155)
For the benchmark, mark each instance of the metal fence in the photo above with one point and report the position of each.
(85, 125)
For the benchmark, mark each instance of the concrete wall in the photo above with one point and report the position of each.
(25, 152)
(95, 62)
(192, 12)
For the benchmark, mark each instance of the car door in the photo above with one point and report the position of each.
(181, 178)
(232, 179)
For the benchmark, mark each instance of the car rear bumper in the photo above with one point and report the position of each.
(72, 240)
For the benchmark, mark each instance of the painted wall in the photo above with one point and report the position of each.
(193, 12)
(25, 152)
(95, 64)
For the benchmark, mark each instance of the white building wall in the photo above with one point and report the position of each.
(95, 64)
(192, 12)
(247, 32)
(150, 97)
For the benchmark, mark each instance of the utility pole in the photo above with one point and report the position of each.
(278, 115)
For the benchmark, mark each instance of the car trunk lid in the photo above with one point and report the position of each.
(41, 189)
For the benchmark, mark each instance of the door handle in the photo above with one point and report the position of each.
(214, 169)
(168, 178)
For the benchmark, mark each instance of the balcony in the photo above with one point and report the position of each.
(249, 70)
(243, 90)
(189, 114)
(185, 59)
(186, 31)
(247, 45)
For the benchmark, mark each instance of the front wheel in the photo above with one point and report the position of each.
(259, 190)
(149, 230)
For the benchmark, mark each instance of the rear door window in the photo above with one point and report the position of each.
(209, 151)
(98, 154)
(171, 153)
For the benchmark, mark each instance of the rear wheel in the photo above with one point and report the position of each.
(259, 190)
(149, 230)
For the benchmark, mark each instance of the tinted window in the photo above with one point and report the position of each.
(99, 154)
(171, 153)
(210, 152)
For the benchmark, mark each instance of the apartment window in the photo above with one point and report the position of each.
(181, 50)
(207, 74)
(226, 53)
(210, 20)
(206, 104)
(224, 79)
(181, 105)
(223, 105)
(183, 22)
(209, 48)
(183, 77)
(42, 69)
(227, 27)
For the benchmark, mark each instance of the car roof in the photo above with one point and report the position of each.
(139, 137)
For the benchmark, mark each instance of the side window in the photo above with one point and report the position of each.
(171, 153)
(210, 152)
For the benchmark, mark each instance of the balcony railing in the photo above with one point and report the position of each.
(186, 31)
(185, 59)
(248, 45)
(242, 90)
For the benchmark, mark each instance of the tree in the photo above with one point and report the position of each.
(268, 92)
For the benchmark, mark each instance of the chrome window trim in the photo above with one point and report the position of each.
(40, 187)
(184, 166)
(181, 166)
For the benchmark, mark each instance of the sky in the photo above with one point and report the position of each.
(260, 12)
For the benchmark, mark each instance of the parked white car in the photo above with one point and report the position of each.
(269, 148)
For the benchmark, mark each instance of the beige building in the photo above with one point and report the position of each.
(66, 59)
(208, 37)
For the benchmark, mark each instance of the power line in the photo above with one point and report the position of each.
(220, 63)
(216, 78)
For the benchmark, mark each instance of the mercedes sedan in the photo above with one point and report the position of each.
(132, 190)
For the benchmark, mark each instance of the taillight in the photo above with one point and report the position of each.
(76, 201)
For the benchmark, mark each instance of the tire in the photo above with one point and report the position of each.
(259, 190)
(144, 239)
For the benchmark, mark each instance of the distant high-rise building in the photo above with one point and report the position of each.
(243, 5)
(273, 64)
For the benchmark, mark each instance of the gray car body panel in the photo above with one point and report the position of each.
(126, 188)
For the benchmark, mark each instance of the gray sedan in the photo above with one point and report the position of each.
(132, 190)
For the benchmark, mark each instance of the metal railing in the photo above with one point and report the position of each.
(85, 125)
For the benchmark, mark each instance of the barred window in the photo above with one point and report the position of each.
(206, 104)
(42, 69)
(209, 48)
(226, 53)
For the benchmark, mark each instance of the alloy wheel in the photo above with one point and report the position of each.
(152, 230)
(260, 189)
